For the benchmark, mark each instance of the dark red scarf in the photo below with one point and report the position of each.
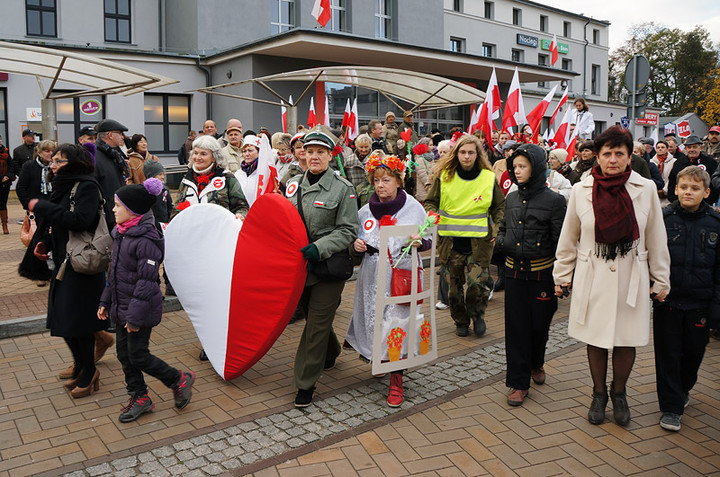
(616, 228)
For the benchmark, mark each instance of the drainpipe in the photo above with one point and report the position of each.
(208, 82)
(585, 58)
(161, 25)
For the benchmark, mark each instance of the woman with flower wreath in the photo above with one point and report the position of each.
(389, 205)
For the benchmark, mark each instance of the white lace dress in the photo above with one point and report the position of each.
(361, 329)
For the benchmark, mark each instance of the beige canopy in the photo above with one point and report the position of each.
(97, 75)
(419, 89)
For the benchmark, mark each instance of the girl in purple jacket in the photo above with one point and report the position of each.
(132, 298)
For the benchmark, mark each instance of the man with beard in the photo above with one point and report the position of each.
(712, 148)
(695, 157)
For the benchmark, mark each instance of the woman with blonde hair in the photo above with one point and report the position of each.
(464, 194)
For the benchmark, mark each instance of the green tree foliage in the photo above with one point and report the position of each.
(681, 64)
(709, 105)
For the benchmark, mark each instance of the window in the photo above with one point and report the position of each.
(74, 114)
(595, 81)
(596, 36)
(167, 121)
(282, 19)
(117, 21)
(543, 59)
(543, 23)
(488, 50)
(338, 21)
(567, 29)
(517, 55)
(567, 64)
(457, 44)
(457, 6)
(41, 17)
(3, 117)
(383, 19)
(517, 16)
(489, 10)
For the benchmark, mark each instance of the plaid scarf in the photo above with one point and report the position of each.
(616, 228)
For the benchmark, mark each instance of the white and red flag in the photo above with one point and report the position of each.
(322, 12)
(563, 100)
(267, 174)
(571, 145)
(514, 112)
(489, 111)
(326, 115)
(346, 114)
(535, 117)
(353, 122)
(311, 122)
(562, 136)
(283, 109)
(474, 121)
(554, 50)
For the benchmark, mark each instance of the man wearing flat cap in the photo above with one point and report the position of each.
(712, 148)
(408, 123)
(695, 157)
(111, 169)
(25, 151)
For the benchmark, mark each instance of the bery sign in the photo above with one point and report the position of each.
(683, 129)
(650, 119)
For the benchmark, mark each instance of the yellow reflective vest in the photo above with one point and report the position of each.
(464, 205)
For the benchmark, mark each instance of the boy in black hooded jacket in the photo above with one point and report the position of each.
(528, 236)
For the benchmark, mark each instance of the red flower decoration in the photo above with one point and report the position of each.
(457, 135)
(406, 135)
(387, 220)
(435, 217)
(337, 150)
(183, 205)
(420, 149)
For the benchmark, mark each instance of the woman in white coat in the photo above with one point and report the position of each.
(612, 245)
(583, 119)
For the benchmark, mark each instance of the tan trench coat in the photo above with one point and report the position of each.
(610, 303)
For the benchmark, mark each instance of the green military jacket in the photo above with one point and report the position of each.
(330, 211)
(482, 248)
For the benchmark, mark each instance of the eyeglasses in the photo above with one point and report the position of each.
(57, 163)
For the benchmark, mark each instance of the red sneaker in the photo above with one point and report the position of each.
(395, 396)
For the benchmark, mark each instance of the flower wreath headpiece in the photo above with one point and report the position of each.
(392, 163)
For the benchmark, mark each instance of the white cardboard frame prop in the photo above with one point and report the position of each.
(411, 343)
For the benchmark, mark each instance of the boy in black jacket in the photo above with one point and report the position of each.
(681, 323)
(528, 237)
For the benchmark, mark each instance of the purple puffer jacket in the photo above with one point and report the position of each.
(132, 294)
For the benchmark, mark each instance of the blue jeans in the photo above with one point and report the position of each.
(134, 354)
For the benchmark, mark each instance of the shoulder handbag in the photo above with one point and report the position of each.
(401, 281)
(88, 253)
(28, 228)
(338, 266)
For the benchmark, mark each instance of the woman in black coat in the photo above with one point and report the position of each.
(73, 301)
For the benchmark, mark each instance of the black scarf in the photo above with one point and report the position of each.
(117, 157)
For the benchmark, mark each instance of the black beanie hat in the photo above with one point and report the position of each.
(139, 198)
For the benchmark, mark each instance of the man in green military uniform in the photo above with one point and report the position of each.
(329, 211)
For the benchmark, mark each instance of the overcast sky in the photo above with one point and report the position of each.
(683, 14)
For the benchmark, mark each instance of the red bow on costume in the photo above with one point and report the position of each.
(406, 135)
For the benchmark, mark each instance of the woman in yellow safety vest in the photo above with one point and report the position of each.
(464, 193)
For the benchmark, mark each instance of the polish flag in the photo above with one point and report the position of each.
(571, 146)
(283, 109)
(535, 117)
(514, 113)
(490, 110)
(563, 100)
(311, 122)
(346, 115)
(354, 125)
(267, 174)
(562, 136)
(474, 118)
(326, 118)
(321, 11)
(554, 50)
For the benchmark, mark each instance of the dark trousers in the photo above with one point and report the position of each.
(83, 352)
(134, 355)
(529, 308)
(4, 193)
(680, 337)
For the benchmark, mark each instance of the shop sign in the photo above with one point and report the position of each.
(91, 106)
(527, 40)
(33, 114)
(650, 119)
(563, 48)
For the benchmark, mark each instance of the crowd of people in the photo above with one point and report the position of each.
(592, 224)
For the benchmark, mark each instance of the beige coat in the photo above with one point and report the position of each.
(610, 304)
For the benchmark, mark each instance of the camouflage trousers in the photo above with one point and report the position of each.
(461, 270)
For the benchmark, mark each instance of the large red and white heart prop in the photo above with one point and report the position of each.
(239, 283)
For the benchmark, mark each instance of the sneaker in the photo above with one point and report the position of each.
(479, 326)
(621, 411)
(670, 421)
(538, 375)
(517, 396)
(136, 407)
(462, 331)
(304, 397)
(596, 414)
(203, 355)
(441, 306)
(183, 389)
(395, 395)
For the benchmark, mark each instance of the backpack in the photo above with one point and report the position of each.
(88, 253)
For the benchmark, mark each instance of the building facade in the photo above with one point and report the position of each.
(210, 42)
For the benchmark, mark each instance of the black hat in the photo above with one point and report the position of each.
(152, 168)
(87, 131)
(109, 125)
(139, 198)
(28, 132)
(692, 140)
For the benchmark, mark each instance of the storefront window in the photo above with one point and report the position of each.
(74, 114)
(167, 121)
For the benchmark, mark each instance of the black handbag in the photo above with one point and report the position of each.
(338, 266)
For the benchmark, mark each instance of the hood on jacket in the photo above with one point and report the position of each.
(538, 160)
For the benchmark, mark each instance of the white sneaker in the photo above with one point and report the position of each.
(490, 295)
(441, 306)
